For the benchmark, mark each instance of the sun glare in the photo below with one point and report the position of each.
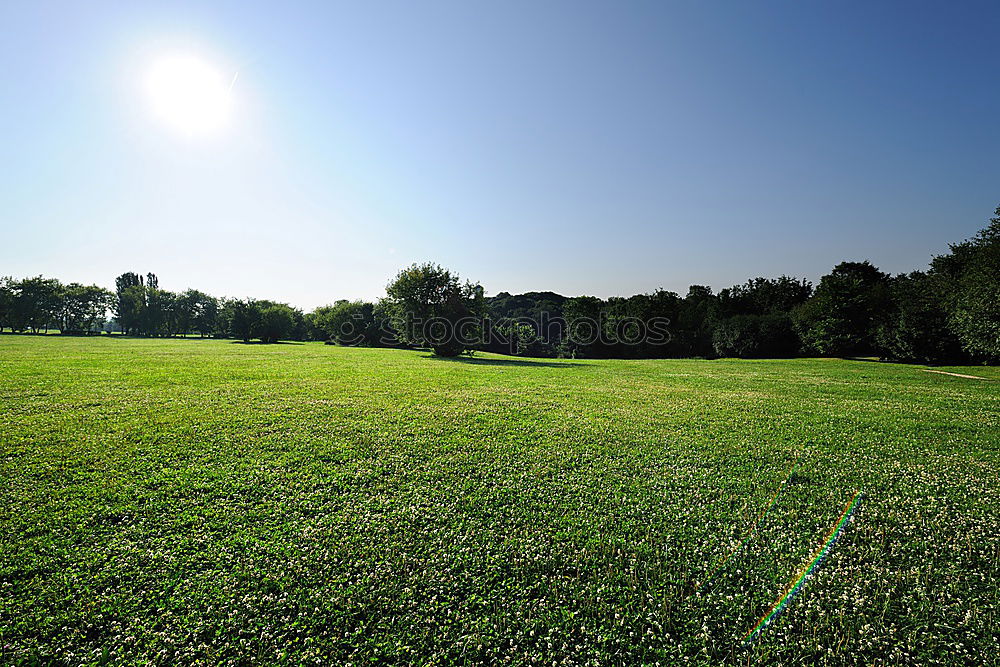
(189, 94)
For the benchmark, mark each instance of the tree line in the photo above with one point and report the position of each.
(947, 313)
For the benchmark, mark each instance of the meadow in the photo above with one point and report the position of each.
(211, 502)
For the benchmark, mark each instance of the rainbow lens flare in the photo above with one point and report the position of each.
(813, 565)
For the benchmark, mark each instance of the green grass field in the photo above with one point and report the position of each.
(187, 501)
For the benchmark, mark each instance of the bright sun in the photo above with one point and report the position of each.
(189, 94)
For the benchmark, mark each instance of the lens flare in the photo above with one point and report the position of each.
(814, 564)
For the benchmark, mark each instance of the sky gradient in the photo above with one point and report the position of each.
(584, 148)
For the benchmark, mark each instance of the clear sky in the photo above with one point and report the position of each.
(587, 148)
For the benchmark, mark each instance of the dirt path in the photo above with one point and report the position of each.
(958, 375)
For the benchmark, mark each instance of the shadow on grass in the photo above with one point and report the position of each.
(119, 336)
(260, 342)
(473, 361)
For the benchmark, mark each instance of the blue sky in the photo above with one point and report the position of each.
(586, 148)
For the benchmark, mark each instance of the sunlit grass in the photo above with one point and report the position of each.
(205, 501)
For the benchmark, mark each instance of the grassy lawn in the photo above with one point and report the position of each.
(186, 501)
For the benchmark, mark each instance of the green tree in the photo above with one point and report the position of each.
(184, 311)
(430, 306)
(844, 314)
(763, 296)
(84, 307)
(202, 310)
(155, 320)
(37, 303)
(131, 302)
(915, 327)
(275, 321)
(970, 278)
(754, 319)
(348, 323)
(240, 317)
(7, 297)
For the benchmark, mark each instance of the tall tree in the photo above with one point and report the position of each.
(915, 326)
(6, 302)
(129, 307)
(168, 303)
(158, 303)
(970, 275)
(184, 311)
(843, 316)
